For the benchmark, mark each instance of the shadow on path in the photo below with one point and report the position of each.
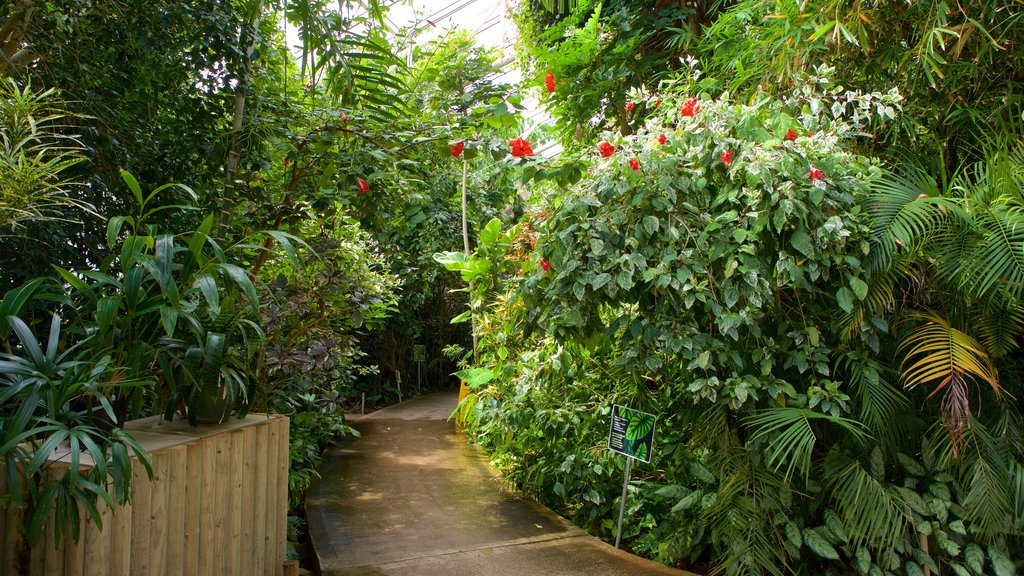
(412, 498)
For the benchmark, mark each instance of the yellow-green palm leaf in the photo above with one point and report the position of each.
(937, 353)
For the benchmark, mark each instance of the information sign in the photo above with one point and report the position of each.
(632, 433)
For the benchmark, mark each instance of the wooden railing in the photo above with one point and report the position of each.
(217, 504)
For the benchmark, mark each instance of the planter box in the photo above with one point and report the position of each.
(217, 504)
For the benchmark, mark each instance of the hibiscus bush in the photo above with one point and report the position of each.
(709, 269)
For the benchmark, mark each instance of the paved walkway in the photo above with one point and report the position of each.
(412, 498)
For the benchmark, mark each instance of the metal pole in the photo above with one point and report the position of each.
(622, 505)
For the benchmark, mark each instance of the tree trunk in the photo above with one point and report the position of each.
(247, 33)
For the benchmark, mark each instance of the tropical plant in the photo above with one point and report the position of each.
(712, 277)
(52, 406)
(36, 154)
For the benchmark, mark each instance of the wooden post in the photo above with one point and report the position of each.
(222, 504)
(273, 532)
(258, 543)
(281, 502)
(249, 504)
(291, 568)
(158, 505)
(142, 521)
(177, 480)
(194, 506)
(236, 474)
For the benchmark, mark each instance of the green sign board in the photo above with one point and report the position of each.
(632, 433)
(419, 353)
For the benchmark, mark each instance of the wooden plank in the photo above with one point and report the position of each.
(222, 505)
(270, 548)
(53, 558)
(283, 465)
(74, 557)
(206, 497)
(4, 520)
(291, 568)
(9, 516)
(121, 535)
(161, 460)
(260, 501)
(177, 482)
(194, 508)
(97, 543)
(237, 476)
(249, 504)
(142, 519)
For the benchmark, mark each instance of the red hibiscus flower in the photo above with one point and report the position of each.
(662, 139)
(791, 135)
(606, 149)
(549, 82)
(457, 148)
(690, 107)
(630, 106)
(520, 148)
(545, 265)
(657, 102)
(363, 186)
(727, 157)
(816, 174)
(634, 164)
(810, 134)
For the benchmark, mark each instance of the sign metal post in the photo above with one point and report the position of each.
(632, 435)
(622, 504)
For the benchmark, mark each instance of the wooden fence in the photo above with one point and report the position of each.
(217, 504)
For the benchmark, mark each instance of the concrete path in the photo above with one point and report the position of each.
(412, 498)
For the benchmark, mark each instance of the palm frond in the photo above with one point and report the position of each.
(1000, 326)
(940, 352)
(879, 400)
(873, 512)
(790, 437)
(989, 500)
(905, 208)
(994, 264)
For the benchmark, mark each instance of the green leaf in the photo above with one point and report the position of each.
(845, 299)
(860, 288)
(475, 377)
(793, 535)
(877, 462)
(862, 561)
(13, 302)
(688, 501)
(803, 243)
(169, 319)
(817, 543)
(835, 525)
(1001, 564)
(489, 235)
(975, 558)
(909, 464)
(912, 569)
(651, 224)
(133, 185)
